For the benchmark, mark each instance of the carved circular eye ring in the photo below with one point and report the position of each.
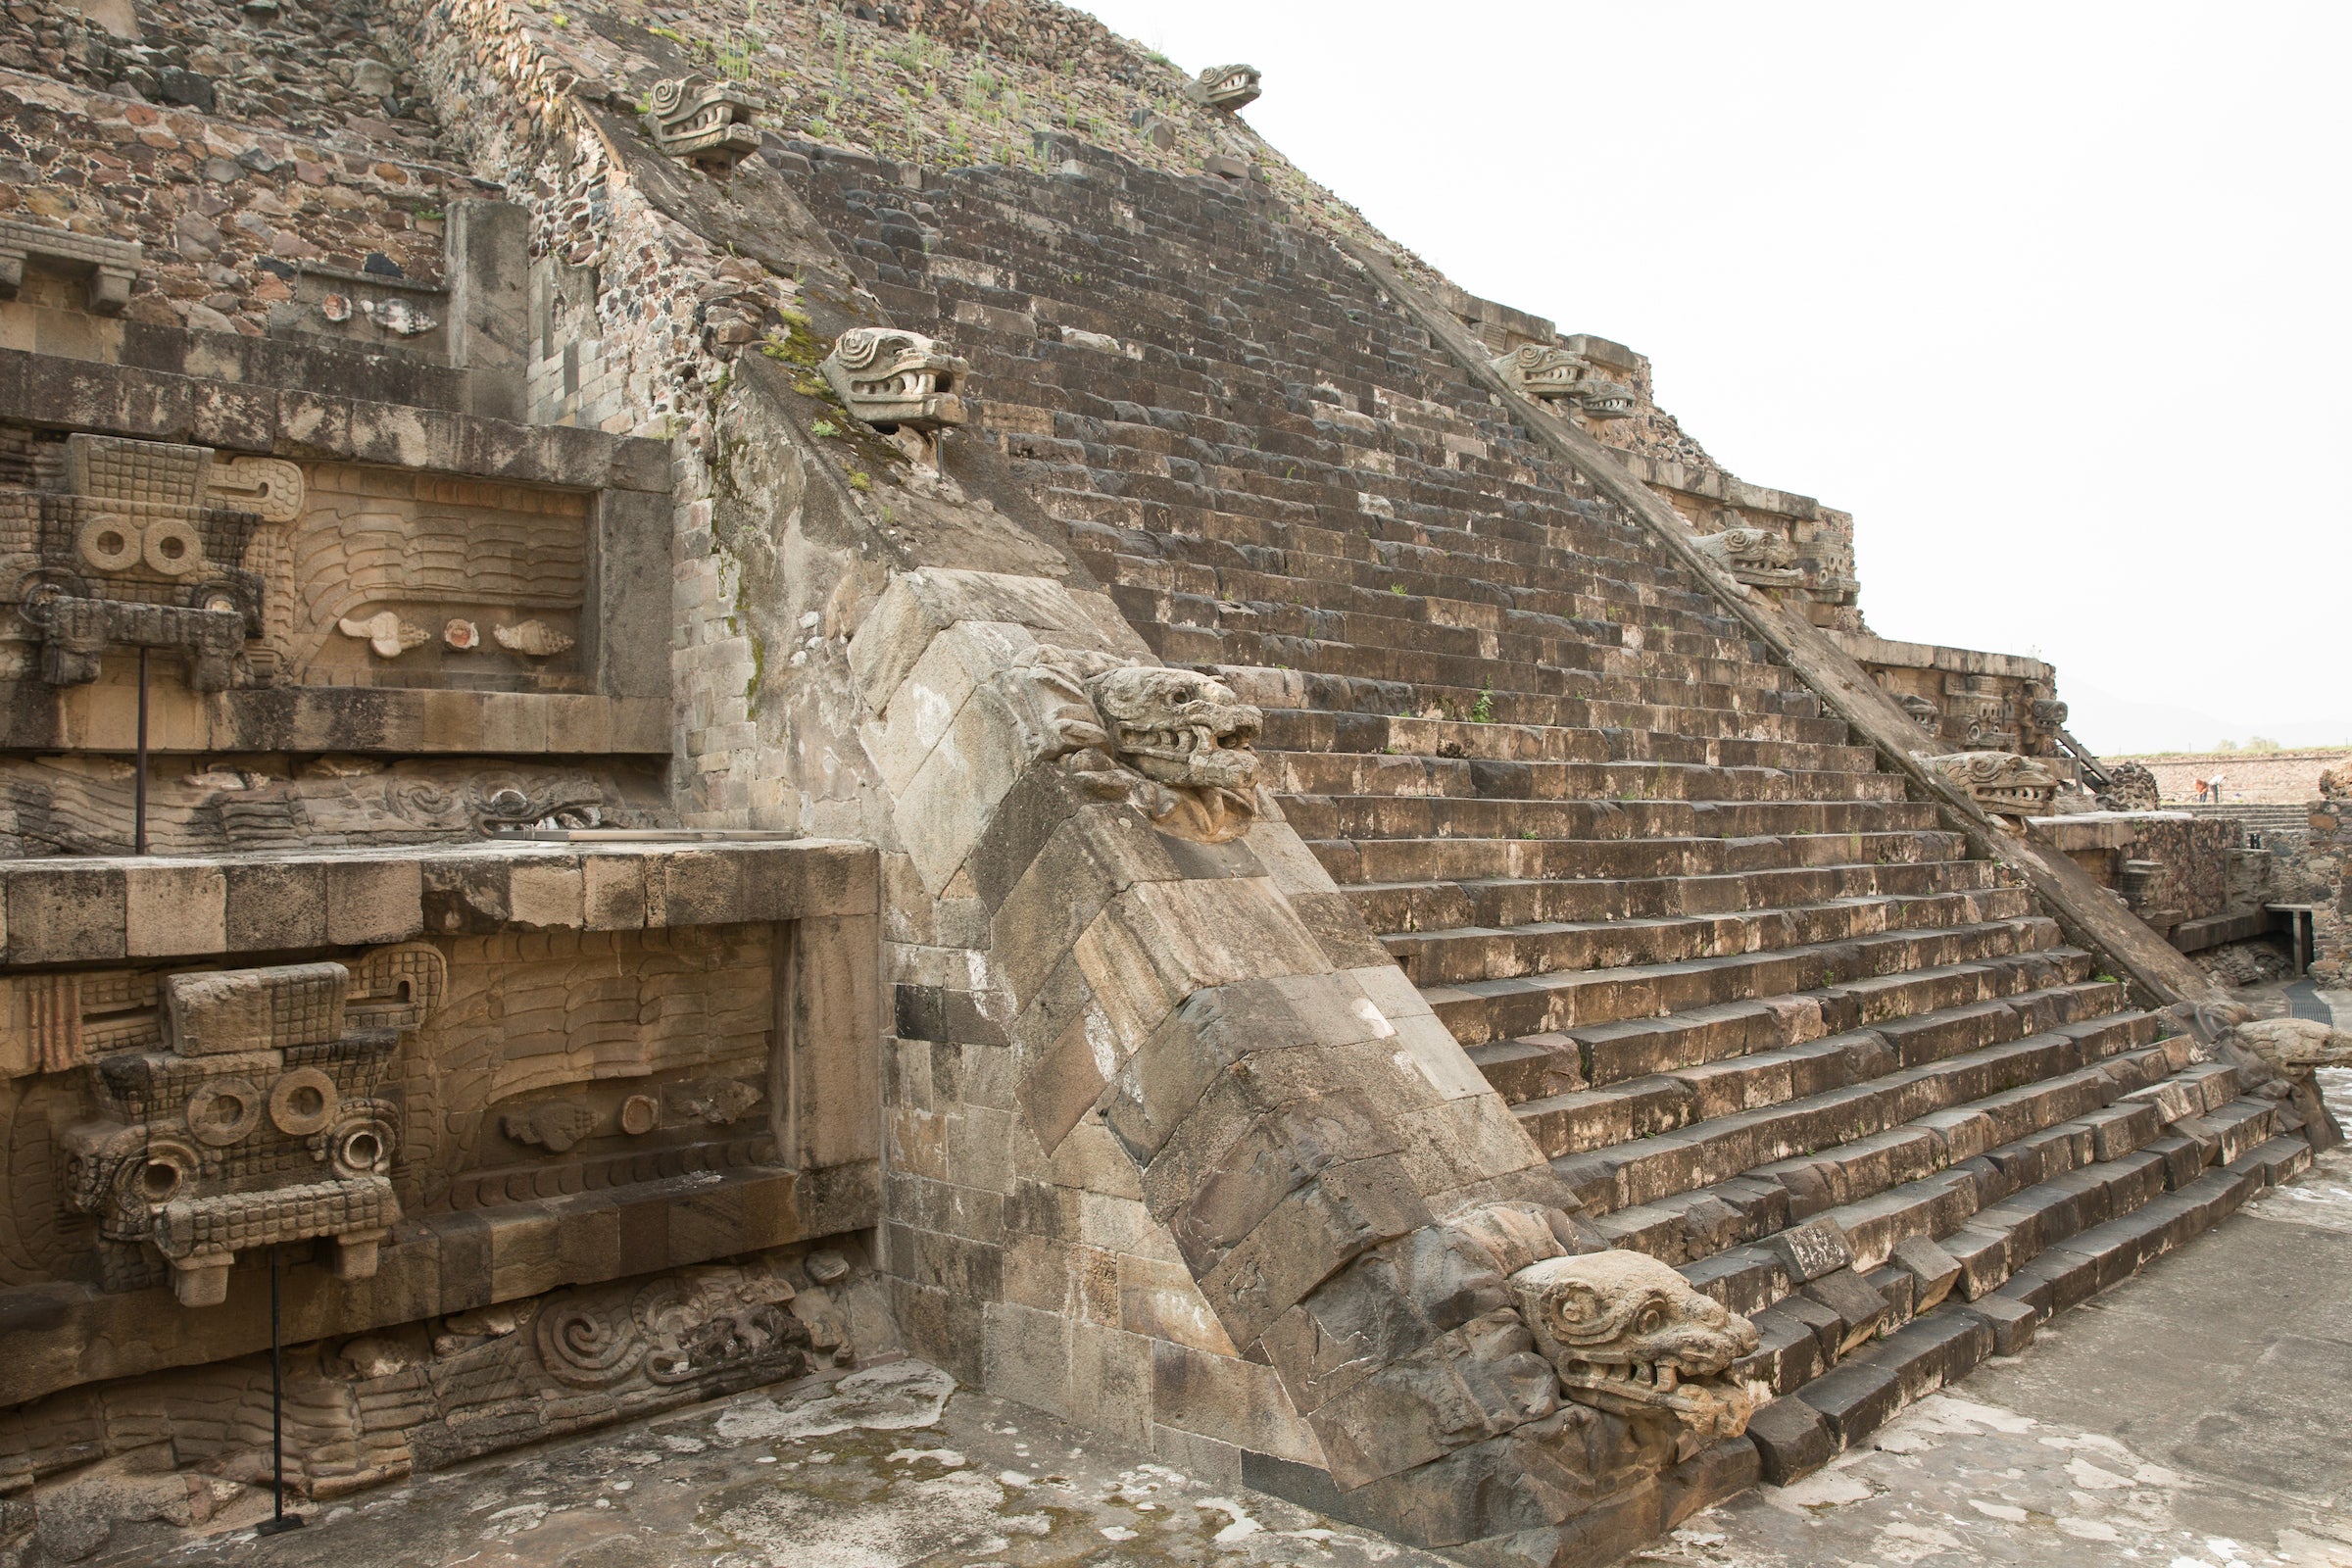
(173, 547)
(302, 1101)
(206, 1117)
(109, 542)
(160, 1180)
(363, 1148)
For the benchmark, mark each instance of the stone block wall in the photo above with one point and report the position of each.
(2314, 869)
(2195, 859)
(2167, 867)
(228, 215)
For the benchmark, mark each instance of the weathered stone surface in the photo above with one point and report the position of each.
(1792, 1440)
(1183, 758)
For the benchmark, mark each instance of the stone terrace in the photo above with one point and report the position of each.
(1732, 980)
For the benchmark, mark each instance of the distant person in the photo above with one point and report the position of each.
(2200, 783)
(2216, 789)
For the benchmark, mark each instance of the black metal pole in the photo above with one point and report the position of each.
(278, 1518)
(139, 799)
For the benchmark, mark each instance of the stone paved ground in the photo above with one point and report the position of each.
(2191, 1418)
(875, 1475)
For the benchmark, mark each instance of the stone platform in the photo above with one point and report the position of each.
(2127, 1435)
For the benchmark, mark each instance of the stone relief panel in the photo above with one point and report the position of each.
(81, 805)
(426, 1394)
(422, 579)
(1986, 712)
(261, 571)
(158, 1122)
(576, 1062)
(117, 543)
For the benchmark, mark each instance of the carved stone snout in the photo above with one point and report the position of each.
(1762, 557)
(895, 380)
(1550, 374)
(1628, 1334)
(2001, 782)
(1225, 88)
(708, 126)
(2293, 1048)
(1176, 742)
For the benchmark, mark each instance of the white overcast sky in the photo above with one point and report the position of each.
(2051, 297)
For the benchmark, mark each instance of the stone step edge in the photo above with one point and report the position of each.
(1474, 887)
(2160, 1054)
(1761, 1252)
(1475, 726)
(1737, 772)
(1824, 1320)
(1662, 924)
(2114, 1140)
(1801, 1431)
(2025, 1043)
(1463, 990)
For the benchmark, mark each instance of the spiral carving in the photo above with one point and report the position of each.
(585, 1349)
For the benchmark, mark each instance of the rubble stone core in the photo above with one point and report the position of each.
(786, 740)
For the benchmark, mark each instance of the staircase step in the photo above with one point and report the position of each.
(1354, 860)
(1853, 983)
(1470, 952)
(1498, 903)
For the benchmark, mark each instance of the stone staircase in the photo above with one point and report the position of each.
(1767, 1018)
